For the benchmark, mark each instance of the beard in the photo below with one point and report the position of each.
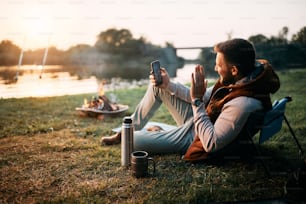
(227, 80)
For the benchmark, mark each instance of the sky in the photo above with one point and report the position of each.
(33, 24)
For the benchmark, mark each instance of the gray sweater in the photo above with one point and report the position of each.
(228, 125)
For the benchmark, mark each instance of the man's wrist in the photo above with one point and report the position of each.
(196, 102)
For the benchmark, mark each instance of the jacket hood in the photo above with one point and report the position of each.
(263, 80)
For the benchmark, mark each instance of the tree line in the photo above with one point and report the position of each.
(117, 52)
(112, 41)
(281, 52)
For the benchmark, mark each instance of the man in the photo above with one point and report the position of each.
(208, 119)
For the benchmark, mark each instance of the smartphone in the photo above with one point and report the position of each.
(155, 70)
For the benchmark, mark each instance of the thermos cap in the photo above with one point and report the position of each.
(127, 119)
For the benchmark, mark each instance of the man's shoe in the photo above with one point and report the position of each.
(111, 140)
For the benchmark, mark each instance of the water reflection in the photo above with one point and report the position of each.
(55, 82)
(184, 75)
(51, 84)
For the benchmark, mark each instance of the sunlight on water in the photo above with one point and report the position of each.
(37, 67)
(189, 53)
(51, 84)
(184, 75)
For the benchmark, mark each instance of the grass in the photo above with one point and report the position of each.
(49, 154)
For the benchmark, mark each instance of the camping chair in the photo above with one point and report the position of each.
(272, 124)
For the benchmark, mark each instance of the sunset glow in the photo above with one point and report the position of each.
(183, 23)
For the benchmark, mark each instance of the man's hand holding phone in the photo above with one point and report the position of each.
(158, 75)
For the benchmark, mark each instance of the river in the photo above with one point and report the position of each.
(34, 84)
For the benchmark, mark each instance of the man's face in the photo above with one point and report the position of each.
(224, 70)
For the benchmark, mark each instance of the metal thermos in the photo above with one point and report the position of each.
(127, 140)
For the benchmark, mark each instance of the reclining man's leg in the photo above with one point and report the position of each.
(176, 140)
(173, 141)
(180, 110)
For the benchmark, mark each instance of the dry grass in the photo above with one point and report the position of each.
(53, 166)
(61, 167)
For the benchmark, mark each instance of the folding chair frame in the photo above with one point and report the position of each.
(257, 151)
(301, 152)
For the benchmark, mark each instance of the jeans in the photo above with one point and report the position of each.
(165, 142)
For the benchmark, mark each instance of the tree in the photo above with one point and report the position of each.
(258, 39)
(79, 48)
(283, 33)
(300, 37)
(121, 42)
(112, 40)
(9, 53)
(207, 58)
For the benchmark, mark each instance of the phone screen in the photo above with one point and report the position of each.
(155, 67)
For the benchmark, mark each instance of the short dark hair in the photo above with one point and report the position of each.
(238, 52)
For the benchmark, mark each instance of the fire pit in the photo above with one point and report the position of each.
(99, 105)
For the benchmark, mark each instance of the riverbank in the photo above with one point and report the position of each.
(51, 154)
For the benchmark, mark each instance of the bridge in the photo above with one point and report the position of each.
(190, 48)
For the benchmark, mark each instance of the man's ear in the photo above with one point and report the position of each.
(234, 70)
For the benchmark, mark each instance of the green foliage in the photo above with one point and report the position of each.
(258, 39)
(112, 38)
(207, 58)
(120, 42)
(300, 37)
(283, 56)
(280, 39)
(280, 52)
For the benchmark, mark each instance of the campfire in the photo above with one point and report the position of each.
(100, 105)
(100, 102)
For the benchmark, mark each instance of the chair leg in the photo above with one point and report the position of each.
(257, 151)
(294, 137)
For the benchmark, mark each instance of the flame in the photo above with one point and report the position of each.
(85, 105)
(101, 89)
